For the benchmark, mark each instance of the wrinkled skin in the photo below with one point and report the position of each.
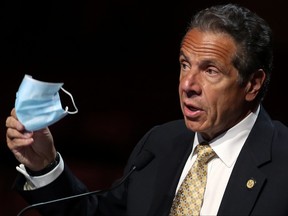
(211, 98)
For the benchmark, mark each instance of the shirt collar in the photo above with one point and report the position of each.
(228, 145)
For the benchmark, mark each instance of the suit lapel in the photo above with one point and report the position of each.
(245, 184)
(168, 176)
(247, 180)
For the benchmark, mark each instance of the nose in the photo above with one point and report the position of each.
(190, 83)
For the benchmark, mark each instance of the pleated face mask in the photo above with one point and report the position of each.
(38, 103)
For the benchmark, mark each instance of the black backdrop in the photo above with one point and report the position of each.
(119, 59)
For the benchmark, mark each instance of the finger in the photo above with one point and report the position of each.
(19, 143)
(12, 134)
(12, 122)
(13, 113)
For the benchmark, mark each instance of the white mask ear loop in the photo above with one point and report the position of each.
(66, 108)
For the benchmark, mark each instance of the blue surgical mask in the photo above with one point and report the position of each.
(38, 103)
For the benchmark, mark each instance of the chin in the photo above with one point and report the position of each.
(191, 125)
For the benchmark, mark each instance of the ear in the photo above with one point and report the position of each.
(254, 84)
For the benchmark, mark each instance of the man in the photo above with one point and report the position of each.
(226, 62)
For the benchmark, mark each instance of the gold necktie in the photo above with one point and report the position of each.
(189, 198)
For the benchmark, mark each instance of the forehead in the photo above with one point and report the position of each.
(207, 43)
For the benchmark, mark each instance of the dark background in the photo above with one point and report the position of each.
(119, 59)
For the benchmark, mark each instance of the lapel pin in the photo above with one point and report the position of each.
(250, 183)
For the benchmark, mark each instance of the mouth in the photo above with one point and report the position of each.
(191, 111)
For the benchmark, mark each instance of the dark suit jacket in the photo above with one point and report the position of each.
(150, 191)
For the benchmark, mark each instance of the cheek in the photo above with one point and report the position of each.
(218, 104)
(228, 106)
(180, 84)
(180, 89)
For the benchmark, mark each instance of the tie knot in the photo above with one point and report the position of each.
(204, 152)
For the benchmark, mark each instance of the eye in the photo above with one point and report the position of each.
(212, 71)
(184, 65)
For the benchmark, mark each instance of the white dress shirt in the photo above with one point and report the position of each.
(227, 147)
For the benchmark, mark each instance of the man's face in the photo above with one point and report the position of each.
(211, 97)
